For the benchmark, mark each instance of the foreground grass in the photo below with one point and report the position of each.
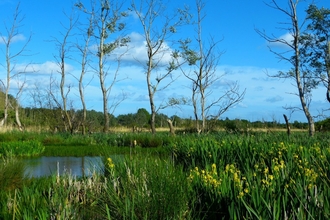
(218, 176)
(258, 176)
(141, 187)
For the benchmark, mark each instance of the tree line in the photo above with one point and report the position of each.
(50, 120)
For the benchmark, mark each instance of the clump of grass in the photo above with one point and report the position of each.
(146, 188)
(56, 197)
(11, 173)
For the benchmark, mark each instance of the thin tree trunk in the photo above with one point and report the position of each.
(18, 121)
(83, 71)
(297, 72)
(328, 72)
(101, 76)
(287, 125)
(4, 123)
(195, 108)
(151, 91)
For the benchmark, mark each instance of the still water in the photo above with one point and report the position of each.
(76, 166)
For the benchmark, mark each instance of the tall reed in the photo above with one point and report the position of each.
(257, 176)
(146, 187)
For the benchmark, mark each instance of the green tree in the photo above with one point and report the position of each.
(142, 117)
(315, 42)
(127, 120)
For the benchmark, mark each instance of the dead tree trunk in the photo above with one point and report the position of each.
(170, 125)
(287, 124)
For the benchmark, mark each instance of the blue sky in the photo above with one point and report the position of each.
(246, 58)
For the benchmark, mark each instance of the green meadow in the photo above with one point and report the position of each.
(220, 175)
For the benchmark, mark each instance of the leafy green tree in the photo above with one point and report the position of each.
(94, 120)
(126, 120)
(315, 42)
(142, 117)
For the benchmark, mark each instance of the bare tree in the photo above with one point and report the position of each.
(106, 22)
(149, 12)
(8, 38)
(203, 75)
(64, 47)
(84, 50)
(45, 102)
(301, 77)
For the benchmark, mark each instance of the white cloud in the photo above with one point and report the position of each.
(16, 38)
(287, 38)
(264, 96)
(136, 52)
(47, 67)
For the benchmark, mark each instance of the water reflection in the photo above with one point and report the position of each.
(76, 166)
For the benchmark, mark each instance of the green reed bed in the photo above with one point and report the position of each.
(64, 144)
(56, 197)
(146, 187)
(257, 176)
(139, 187)
(216, 176)
(21, 148)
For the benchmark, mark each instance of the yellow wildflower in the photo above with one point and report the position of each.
(111, 165)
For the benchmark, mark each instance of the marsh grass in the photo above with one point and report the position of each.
(146, 187)
(143, 187)
(56, 197)
(11, 173)
(258, 176)
(21, 148)
(215, 176)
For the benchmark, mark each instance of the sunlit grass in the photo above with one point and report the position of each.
(259, 177)
(255, 175)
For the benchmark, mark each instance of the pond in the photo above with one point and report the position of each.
(76, 166)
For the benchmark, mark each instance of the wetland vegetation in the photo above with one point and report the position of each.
(221, 175)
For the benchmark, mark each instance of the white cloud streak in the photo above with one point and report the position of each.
(16, 38)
